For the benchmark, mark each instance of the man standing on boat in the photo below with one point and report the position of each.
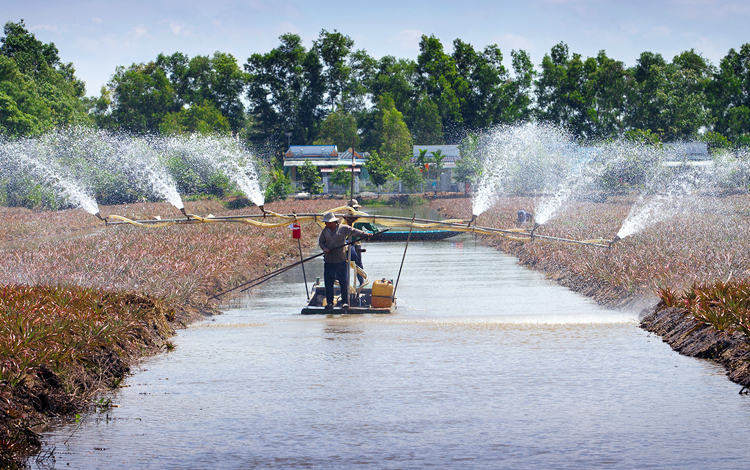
(356, 247)
(332, 241)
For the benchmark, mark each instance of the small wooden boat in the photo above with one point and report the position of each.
(416, 235)
(403, 235)
(362, 305)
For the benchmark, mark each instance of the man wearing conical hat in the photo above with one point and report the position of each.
(332, 241)
(356, 247)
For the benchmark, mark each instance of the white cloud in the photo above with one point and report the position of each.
(96, 20)
(660, 31)
(46, 27)
(140, 30)
(709, 49)
(715, 9)
(178, 29)
(285, 27)
(407, 40)
(509, 42)
(630, 28)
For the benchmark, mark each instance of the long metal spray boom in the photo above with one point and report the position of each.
(453, 225)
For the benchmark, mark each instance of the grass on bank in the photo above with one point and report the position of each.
(60, 346)
(723, 305)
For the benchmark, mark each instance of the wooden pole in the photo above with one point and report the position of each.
(351, 192)
(408, 237)
(304, 276)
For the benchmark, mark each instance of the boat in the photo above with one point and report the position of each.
(416, 235)
(403, 235)
(363, 304)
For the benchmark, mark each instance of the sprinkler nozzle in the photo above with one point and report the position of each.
(99, 216)
(536, 226)
(472, 221)
(185, 213)
(262, 209)
(617, 238)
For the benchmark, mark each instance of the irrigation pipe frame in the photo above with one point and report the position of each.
(447, 225)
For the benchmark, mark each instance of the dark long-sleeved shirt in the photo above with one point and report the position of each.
(330, 239)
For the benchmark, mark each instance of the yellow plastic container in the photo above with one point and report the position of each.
(382, 294)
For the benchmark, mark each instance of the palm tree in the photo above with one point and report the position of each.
(437, 162)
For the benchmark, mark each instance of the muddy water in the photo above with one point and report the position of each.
(485, 365)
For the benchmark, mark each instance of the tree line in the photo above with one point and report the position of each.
(333, 93)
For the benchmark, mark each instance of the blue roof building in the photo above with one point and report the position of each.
(327, 158)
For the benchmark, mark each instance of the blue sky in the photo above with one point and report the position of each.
(99, 35)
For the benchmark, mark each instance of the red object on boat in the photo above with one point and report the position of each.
(296, 231)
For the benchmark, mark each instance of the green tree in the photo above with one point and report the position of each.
(379, 170)
(436, 163)
(340, 176)
(286, 92)
(427, 127)
(480, 84)
(32, 57)
(468, 170)
(516, 106)
(22, 110)
(410, 177)
(334, 48)
(357, 92)
(742, 141)
(643, 136)
(423, 163)
(220, 81)
(437, 76)
(310, 177)
(37, 91)
(396, 143)
(142, 96)
(715, 141)
(202, 118)
(339, 129)
(607, 84)
(669, 98)
(393, 78)
(729, 94)
(279, 187)
(561, 92)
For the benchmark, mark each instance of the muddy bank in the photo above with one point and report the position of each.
(72, 384)
(691, 338)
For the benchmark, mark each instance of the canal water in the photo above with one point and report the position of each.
(485, 365)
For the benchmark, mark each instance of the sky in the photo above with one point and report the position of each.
(99, 35)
